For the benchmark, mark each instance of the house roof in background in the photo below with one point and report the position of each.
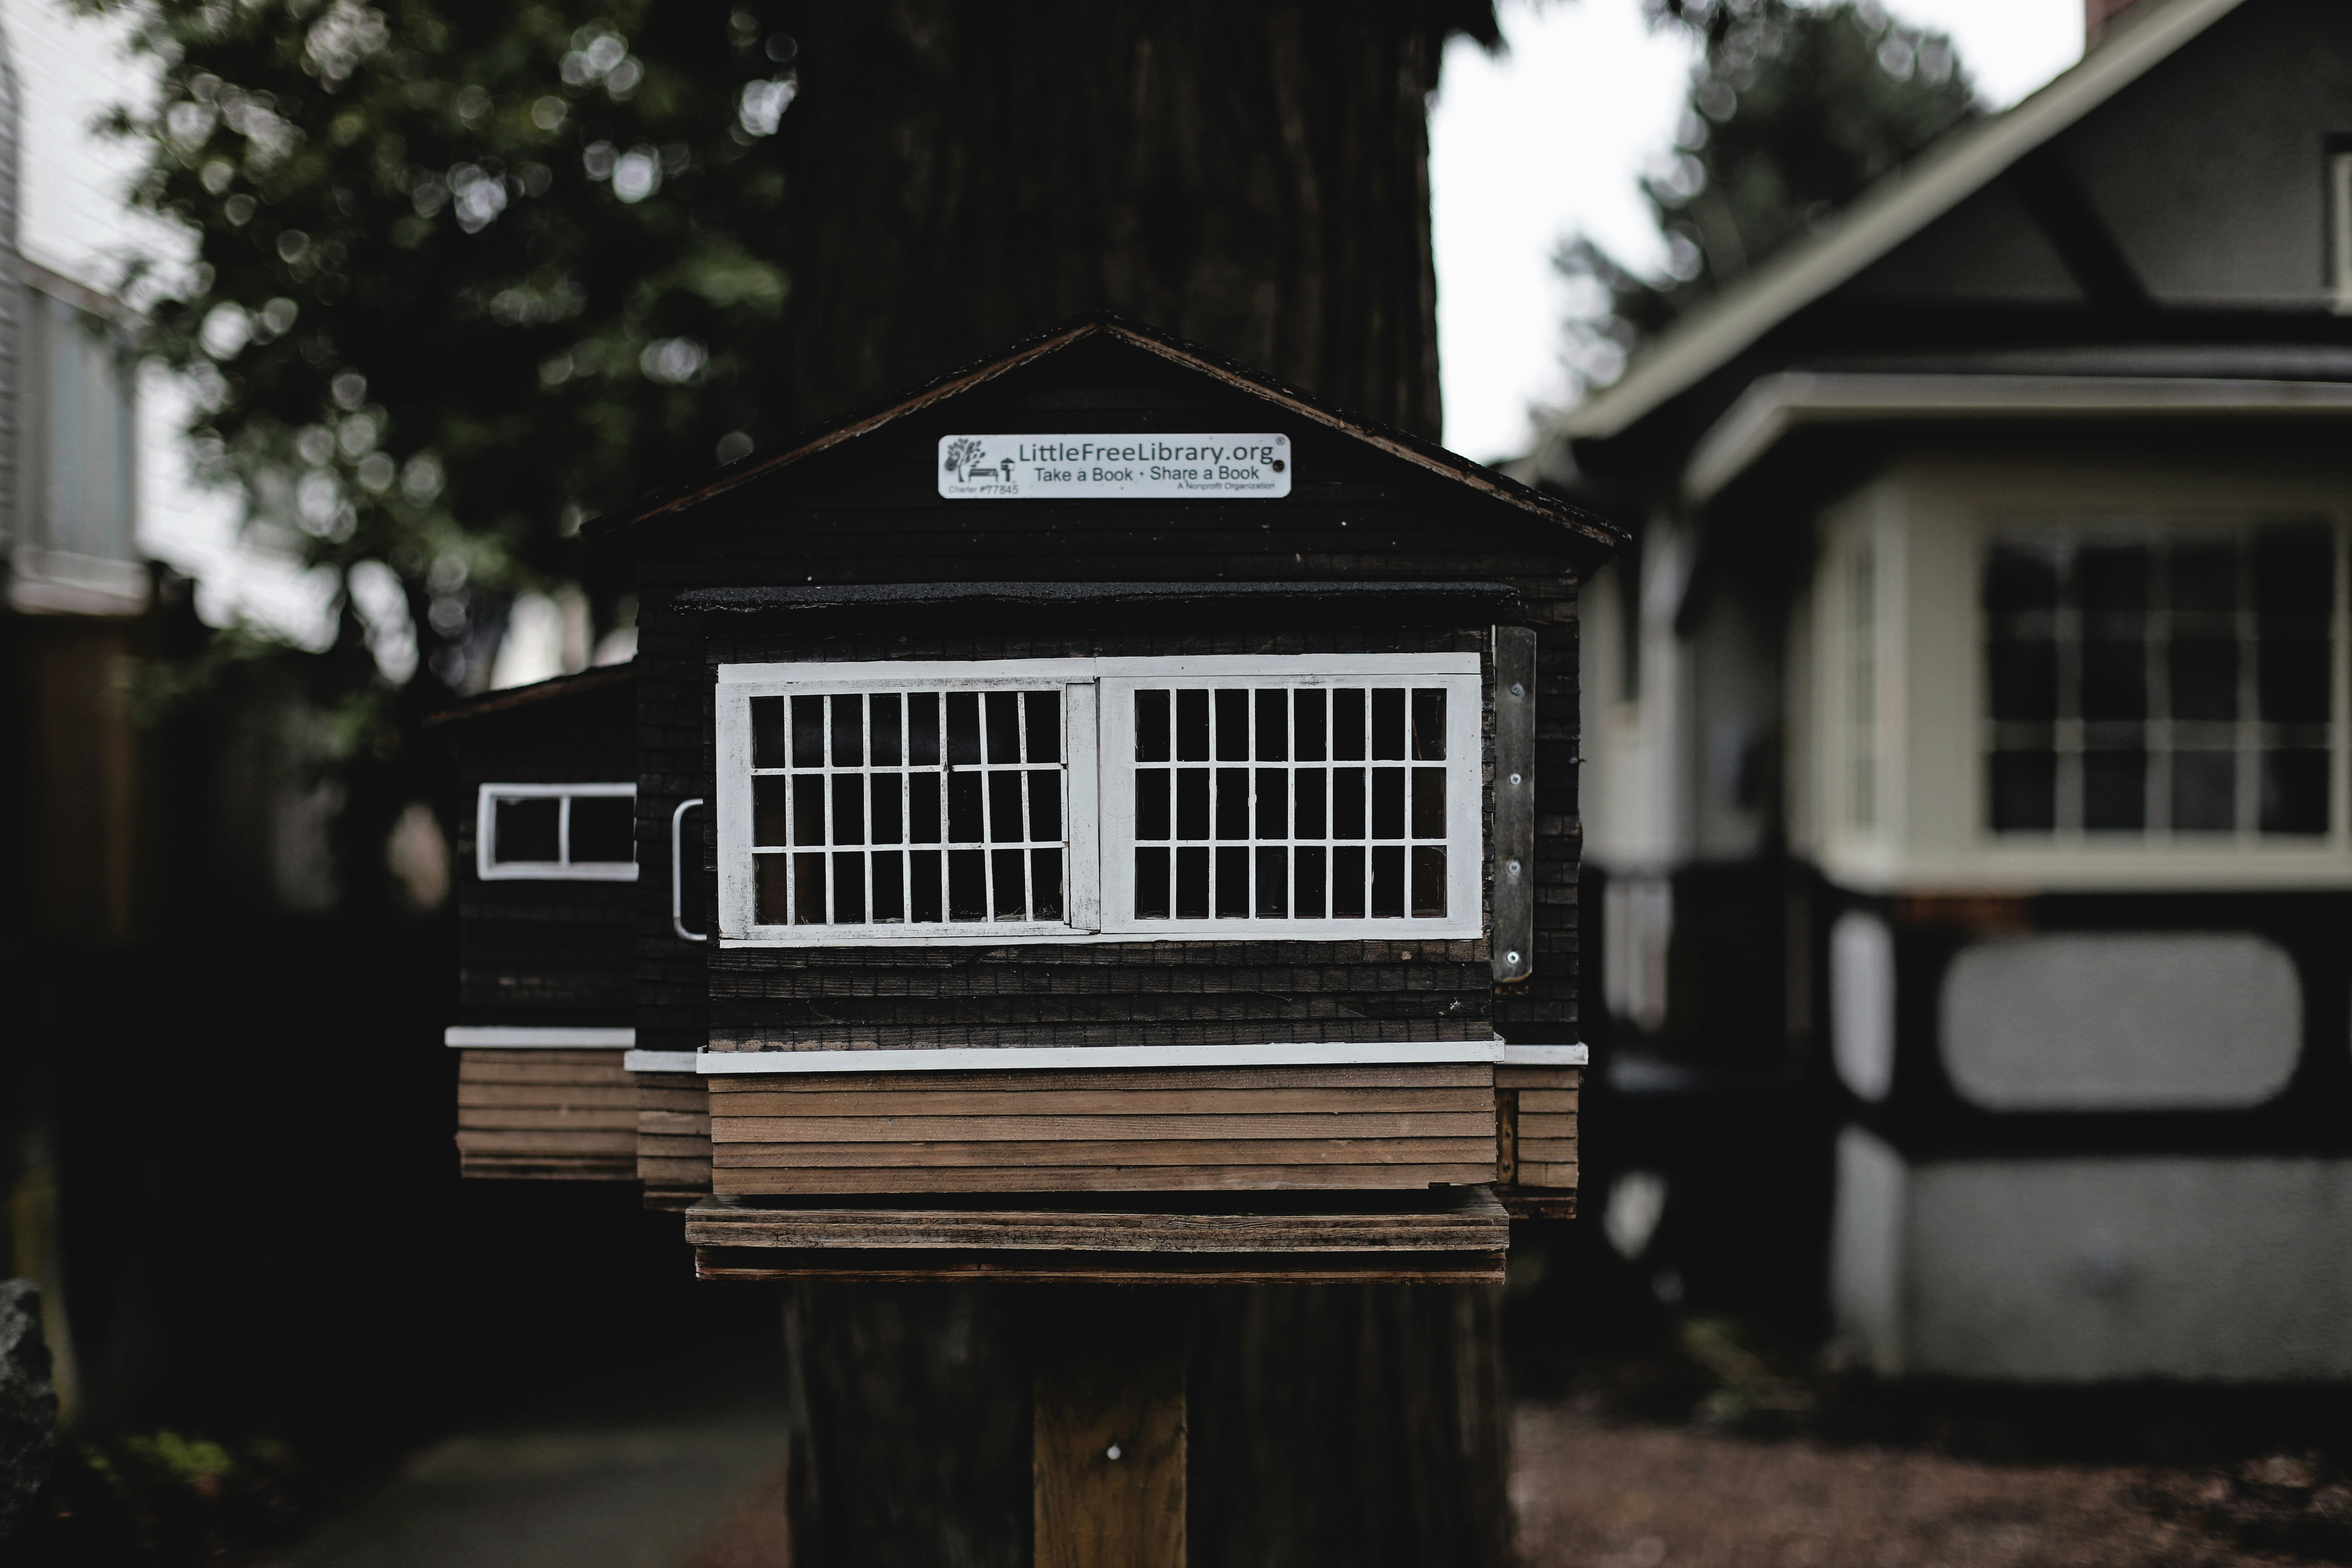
(1716, 332)
(1426, 455)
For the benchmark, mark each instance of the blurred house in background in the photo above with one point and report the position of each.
(116, 828)
(1969, 735)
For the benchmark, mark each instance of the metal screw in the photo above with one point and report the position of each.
(1517, 690)
(1515, 867)
(1514, 778)
(1111, 1452)
(1510, 958)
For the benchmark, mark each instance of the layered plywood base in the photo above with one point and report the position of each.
(1148, 1130)
(550, 1114)
(673, 1138)
(578, 1115)
(1535, 1141)
(1449, 1235)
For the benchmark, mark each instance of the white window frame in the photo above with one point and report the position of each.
(2161, 527)
(489, 868)
(1456, 675)
(2339, 230)
(1099, 811)
(739, 683)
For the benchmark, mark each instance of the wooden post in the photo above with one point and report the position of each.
(1110, 1428)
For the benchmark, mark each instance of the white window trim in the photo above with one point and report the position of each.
(1068, 1058)
(1098, 844)
(740, 683)
(486, 825)
(536, 1036)
(2340, 231)
(1464, 815)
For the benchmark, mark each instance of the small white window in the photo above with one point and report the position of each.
(562, 832)
(1298, 796)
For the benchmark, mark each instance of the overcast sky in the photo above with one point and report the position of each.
(1549, 138)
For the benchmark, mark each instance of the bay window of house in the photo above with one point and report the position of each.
(76, 546)
(1302, 796)
(2162, 683)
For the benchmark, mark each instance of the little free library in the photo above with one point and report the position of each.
(1102, 816)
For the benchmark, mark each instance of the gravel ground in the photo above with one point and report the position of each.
(1595, 1494)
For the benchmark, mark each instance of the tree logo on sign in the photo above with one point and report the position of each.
(961, 453)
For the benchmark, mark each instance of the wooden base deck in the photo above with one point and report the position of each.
(1439, 1236)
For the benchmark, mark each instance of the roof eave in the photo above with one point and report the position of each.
(1717, 331)
(1775, 407)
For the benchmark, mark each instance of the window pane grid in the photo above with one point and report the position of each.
(2152, 685)
(1277, 802)
(931, 807)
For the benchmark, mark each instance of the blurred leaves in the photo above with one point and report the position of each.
(169, 1497)
(1794, 110)
(463, 274)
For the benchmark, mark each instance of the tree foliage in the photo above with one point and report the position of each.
(463, 272)
(1794, 111)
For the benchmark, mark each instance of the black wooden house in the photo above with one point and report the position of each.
(1102, 771)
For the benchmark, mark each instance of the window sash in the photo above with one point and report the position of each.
(2150, 756)
(740, 856)
(563, 869)
(1464, 815)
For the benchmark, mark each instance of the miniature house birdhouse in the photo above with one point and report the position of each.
(1104, 804)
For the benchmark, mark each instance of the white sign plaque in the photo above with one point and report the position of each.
(1060, 467)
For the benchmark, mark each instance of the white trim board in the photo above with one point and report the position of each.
(1774, 406)
(988, 1058)
(1547, 1056)
(862, 675)
(516, 1037)
(659, 1061)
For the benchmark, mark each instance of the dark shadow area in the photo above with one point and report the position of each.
(277, 1283)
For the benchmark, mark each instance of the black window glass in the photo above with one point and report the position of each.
(527, 830)
(603, 829)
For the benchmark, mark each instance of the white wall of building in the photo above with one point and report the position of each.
(2076, 1270)
(77, 222)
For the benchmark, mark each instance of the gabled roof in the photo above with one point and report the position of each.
(1102, 326)
(577, 684)
(1716, 332)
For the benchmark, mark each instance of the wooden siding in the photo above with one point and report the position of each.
(673, 1138)
(1535, 1139)
(1126, 1130)
(570, 1115)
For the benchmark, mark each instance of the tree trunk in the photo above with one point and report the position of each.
(1253, 177)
